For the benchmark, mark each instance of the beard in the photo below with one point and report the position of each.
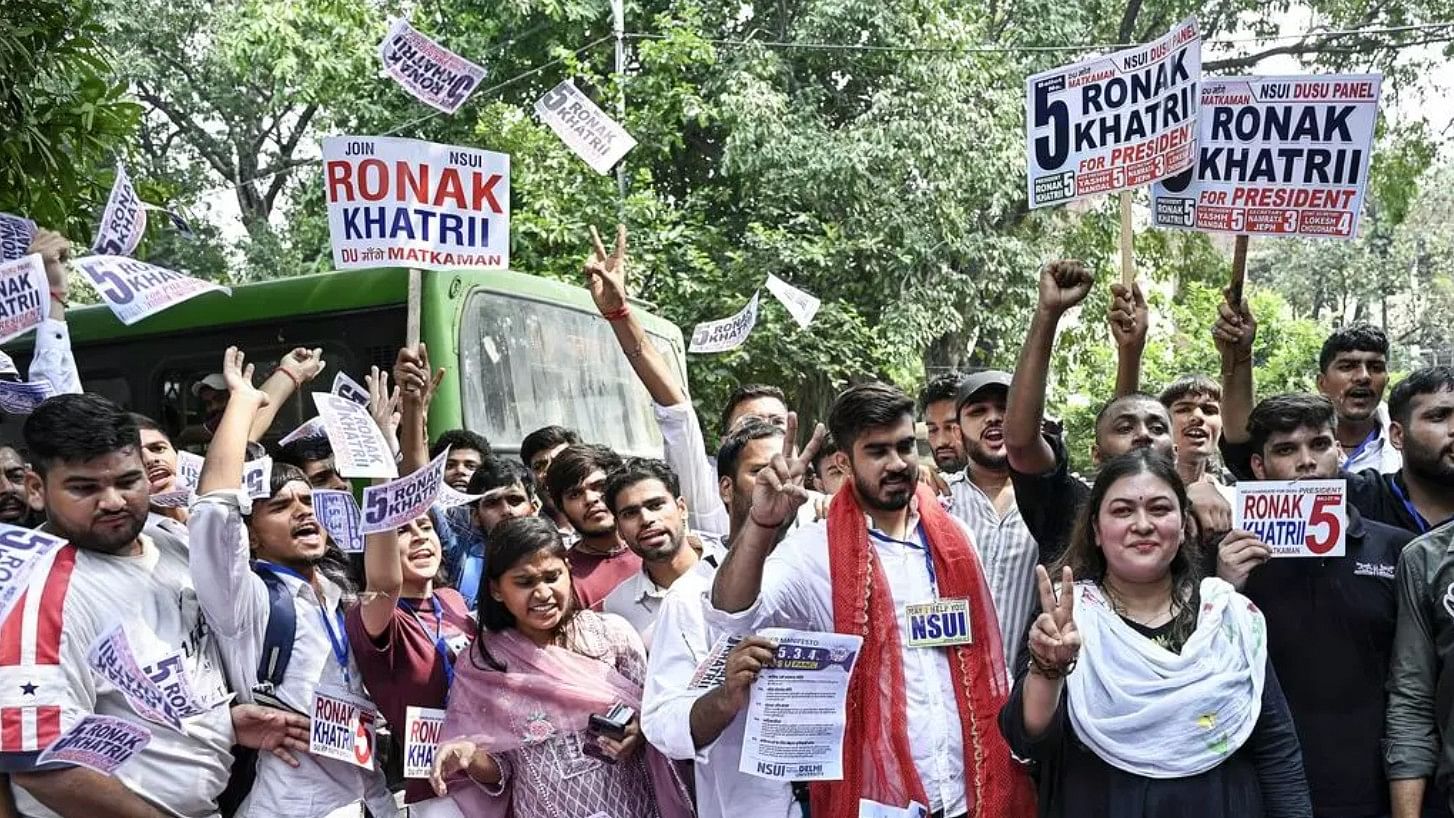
(981, 457)
(888, 498)
(1431, 466)
(106, 542)
(13, 508)
(676, 538)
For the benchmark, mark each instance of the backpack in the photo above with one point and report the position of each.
(277, 651)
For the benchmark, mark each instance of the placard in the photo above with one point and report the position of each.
(24, 295)
(402, 202)
(584, 127)
(342, 727)
(346, 387)
(180, 498)
(135, 290)
(21, 549)
(339, 515)
(1296, 518)
(400, 502)
(431, 73)
(422, 726)
(123, 223)
(16, 236)
(21, 397)
(311, 429)
(359, 448)
(1283, 156)
(1115, 122)
(795, 711)
(189, 470)
(727, 333)
(99, 743)
(800, 305)
(169, 675)
(111, 656)
(257, 477)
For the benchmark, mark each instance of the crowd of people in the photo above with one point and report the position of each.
(1129, 653)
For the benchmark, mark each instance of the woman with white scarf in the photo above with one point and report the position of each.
(1148, 694)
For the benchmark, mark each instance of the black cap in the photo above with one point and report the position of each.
(979, 382)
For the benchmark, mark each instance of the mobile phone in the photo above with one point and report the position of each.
(612, 723)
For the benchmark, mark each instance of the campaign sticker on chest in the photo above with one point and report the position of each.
(342, 727)
(939, 624)
(421, 739)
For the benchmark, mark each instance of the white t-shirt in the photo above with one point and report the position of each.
(46, 684)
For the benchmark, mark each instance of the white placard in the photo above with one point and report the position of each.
(449, 498)
(24, 295)
(124, 221)
(180, 498)
(402, 202)
(1296, 518)
(431, 73)
(311, 428)
(422, 726)
(189, 470)
(135, 290)
(257, 477)
(800, 305)
(1282, 156)
(1115, 122)
(795, 713)
(111, 656)
(359, 448)
(21, 398)
(346, 387)
(339, 515)
(342, 727)
(21, 549)
(727, 333)
(99, 743)
(16, 235)
(584, 127)
(401, 501)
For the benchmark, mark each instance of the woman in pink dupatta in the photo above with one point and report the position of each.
(516, 740)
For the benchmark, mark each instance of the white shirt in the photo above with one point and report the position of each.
(236, 604)
(685, 450)
(1376, 452)
(1008, 553)
(53, 360)
(797, 592)
(74, 597)
(638, 599)
(682, 643)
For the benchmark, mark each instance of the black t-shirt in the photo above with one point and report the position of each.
(1049, 503)
(1379, 497)
(1330, 626)
(1161, 634)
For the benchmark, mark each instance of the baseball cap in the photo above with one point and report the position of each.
(978, 382)
(213, 381)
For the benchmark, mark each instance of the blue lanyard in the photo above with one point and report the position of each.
(928, 557)
(337, 638)
(1372, 436)
(441, 646)
(1419, 521)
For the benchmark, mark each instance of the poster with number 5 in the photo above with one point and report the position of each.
(1296, 518)
(135, 290)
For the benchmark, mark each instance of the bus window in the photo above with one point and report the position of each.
(530, 364)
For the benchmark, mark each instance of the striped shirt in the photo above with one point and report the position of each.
(1008, 553)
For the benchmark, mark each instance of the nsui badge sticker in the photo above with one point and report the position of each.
(939, 624)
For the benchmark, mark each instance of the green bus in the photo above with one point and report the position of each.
(521, 352)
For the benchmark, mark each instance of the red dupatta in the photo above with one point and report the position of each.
(878, 763)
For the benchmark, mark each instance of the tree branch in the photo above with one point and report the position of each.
(1128, 21)
(202, 141)
(1328, 46)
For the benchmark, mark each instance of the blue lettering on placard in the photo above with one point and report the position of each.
(916, 628)
(935, 627)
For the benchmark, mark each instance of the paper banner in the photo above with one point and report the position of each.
(24, 296)
(21, 549)
(359, 448)
(583, 127)
(400, 501)
(16, 234)
(99, 743)
(800, 305)
(727, 333)
(124, 221)
(135, 290)
(431, 73)
(339, 515)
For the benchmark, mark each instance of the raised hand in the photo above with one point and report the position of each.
(413, 375)
(778, 490)
(384, 405)
(1235, 330)
(1128, 316)
(1063, 284)
(606, 275)
(1054, 640)
(303, 364)
(237, 372)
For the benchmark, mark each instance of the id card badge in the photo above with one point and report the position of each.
(422, 726)
(342, 726)
(942, 623)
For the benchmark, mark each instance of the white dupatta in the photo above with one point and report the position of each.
(1158, 714)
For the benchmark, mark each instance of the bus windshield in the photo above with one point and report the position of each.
(528, 363)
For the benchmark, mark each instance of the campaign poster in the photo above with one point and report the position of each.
(24, 295)
(401, 501)
(1279, 156)
(21, 397)
(801, 305)
(339, 515)
(21, 550)
(583, 127)
(135, 290)
(342, 727)
(100, 743)
(428, 71)
(1116, 122)
(359, 448)
(1296, 518)
(422, 727)
(16, 235)
(346, 387)
(726, 333)
(796, 709)
(405, 203)
(123, 222)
